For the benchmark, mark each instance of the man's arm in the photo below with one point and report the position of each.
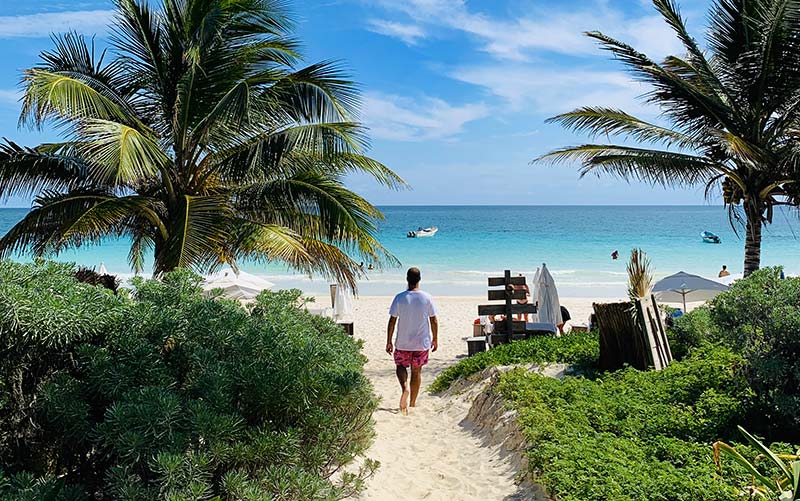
(389, 332)
(434, 333)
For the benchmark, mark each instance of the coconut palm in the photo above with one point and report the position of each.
(731, 113)
(201, 139)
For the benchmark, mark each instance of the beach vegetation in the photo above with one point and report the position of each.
(579, 349)
(730, 114)
(643, 435)
(634, 435)
(203, 138)
(785, 487)
(164, 393)
(759, 318)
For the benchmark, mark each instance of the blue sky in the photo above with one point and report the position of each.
(455, 92)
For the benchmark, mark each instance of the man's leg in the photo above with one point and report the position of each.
(416, 382)
(402, 377)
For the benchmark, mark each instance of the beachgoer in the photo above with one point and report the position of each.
(615, 254)
(414, 314)
(523, 316)
(723, 272)
(370, 267)
(565, 316)
(361, 265)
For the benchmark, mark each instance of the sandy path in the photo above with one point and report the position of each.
(428, 454)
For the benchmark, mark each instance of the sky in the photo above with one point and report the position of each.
(455, 92)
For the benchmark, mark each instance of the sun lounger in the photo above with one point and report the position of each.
(540, 329)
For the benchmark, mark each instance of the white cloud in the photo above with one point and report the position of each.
(552, 90)
(404, 119)
(408, 33)
(41, 25)
(549, 29)
(10, 96)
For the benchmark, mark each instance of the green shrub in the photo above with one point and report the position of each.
(692, 330)
(580, 349)
(759, 318)
(168, 394)
(633, 435)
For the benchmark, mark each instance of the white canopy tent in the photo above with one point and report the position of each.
(237, 286)
(682, 286)
(545, 295)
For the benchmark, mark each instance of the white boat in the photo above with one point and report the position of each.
(423, 232)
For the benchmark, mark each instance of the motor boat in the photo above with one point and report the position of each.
(423, 232)
(710, 238)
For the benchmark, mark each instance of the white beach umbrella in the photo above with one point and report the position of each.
(241, 286)
(342, 305)
(546, 295)
(101, 270)
(534, 288)
(682, 286)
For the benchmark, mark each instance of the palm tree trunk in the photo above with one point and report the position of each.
(752, 243)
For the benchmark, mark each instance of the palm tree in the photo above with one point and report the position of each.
(201, 140)
(731, 111)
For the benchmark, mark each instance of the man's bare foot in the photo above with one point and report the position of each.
(404, 400)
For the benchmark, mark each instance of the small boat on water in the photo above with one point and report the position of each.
(423, 232)
(710, 238)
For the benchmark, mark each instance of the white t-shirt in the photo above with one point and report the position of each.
(413, 310)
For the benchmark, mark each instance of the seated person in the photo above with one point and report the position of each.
(565, 316)
(522, 301)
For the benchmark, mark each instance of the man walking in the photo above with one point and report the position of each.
(414, 314)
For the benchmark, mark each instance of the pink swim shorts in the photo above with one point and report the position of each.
(412, 358)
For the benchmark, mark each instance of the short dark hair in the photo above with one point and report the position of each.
(724, 266)
(413, 277)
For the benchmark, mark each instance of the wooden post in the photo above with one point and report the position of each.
(509, 293)
(509, 329)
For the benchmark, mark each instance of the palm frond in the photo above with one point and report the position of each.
(119, 154)
(262, 154)
(69, 96)
(342, 163)
(651, 166)
(197, 235)
(317, 93)
(598, 121)
(60, 220)
(680, 98)
(26, 171)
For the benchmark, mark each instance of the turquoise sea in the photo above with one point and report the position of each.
(475, 242)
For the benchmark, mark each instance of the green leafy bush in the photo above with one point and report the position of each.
(633, 435)
(580, 349)
(759, 318)
(167, 394)
(692, 330)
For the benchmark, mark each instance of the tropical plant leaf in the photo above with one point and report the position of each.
(120, 155)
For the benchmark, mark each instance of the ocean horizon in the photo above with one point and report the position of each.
(478, 241)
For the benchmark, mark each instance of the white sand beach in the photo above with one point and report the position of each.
(429, 454)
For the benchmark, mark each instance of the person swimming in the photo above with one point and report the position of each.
(615, 254)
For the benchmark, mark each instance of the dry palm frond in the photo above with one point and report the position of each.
(640, 275)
